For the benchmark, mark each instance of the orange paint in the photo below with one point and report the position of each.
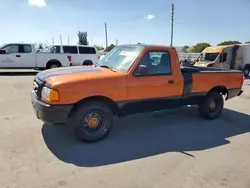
(125, 86)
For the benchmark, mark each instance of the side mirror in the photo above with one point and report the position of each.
(143, 70)
(2, 52)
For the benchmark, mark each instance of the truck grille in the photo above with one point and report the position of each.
(37, 87)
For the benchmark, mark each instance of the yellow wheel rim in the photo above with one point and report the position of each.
(93, 123)
(212, 106)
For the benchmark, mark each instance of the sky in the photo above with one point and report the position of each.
(129, 21)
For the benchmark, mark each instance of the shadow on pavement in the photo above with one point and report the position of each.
(23, 73)
(145, 135)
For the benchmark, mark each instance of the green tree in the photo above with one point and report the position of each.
(247, 42)
(199, 47)
(109, 48)
(230, 42)
(40, 46)
(99, 48)
(82, 38)
(139, 43)
(185, 49)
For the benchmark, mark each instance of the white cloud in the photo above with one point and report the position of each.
(150, 17)
(38, 3)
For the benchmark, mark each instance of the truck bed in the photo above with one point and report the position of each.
(192, 69)
(200, 80)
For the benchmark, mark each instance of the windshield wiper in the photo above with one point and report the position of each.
(105, 66)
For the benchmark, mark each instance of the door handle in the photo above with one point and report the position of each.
(18, 56)
(170, 81)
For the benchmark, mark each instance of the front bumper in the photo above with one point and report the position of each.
(50, 113)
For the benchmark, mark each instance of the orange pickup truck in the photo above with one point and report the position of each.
(130, 79)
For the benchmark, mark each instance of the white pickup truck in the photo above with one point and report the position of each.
(20, 55)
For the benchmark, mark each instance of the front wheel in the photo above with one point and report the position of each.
(212, 106)
(91, 121)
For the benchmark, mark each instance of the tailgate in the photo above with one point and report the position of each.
(206, 80)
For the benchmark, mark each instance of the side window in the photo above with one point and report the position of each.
(87, 50)
(55, 50)
(13, 48)
(25, 49)
(223, 57)
(70, 49)
(157, 63)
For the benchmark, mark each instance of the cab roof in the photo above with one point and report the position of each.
(144, 45)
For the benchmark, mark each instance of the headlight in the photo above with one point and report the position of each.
(49, 94)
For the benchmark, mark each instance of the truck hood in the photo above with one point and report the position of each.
(66, 75)
(67, 70)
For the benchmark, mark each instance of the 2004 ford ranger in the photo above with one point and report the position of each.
(130, 79)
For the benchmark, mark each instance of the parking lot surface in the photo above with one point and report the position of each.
(174, 148)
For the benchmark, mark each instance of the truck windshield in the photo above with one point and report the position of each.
(208, 57)
(121, 58)
(47, 49)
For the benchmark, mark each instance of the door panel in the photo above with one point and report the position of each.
(159, 82)
(12, 58)
(28, 57)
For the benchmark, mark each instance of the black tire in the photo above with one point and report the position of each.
(87, 63)
(53, 64)
(246, 71)
(82, 130)
(212, 98)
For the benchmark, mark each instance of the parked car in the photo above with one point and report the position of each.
(80, 54)
(127, 81)
(227, 56)
(22, 55)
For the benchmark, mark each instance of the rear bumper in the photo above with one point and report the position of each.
(241, 91)
(50, 113)
(234, 93)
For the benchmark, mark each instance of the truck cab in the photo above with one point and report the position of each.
(17, 55)
(216, 56)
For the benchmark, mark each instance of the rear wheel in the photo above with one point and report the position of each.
(53, 64)
(91, 121)
(87, 62)
(246, 71)
(212, 106)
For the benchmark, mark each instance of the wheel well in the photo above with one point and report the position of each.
(220, 89)
(109, 102)
(247, 66)
(87, 62)
(53, 61)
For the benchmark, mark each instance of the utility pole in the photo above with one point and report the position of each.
(106, 35)
(68, 39)
(53, 42)
(61, 39)
(172, 25)
(116, 42)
